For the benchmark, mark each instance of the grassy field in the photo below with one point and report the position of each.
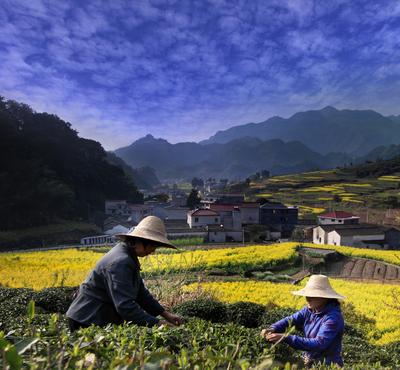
(224, 332)
(69, 267)
(316, 192)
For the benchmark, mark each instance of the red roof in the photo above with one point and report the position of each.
(337, 214)
(230, 207)
(221, 207)
(203, 212)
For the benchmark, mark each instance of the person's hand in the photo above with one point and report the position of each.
(264, 332)
(274, 337)
(176, 320)
(165, 323)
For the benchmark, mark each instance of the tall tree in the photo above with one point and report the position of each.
(193, 199)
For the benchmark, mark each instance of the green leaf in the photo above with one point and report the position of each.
(31, 310)
(12, 357)
(24, 344)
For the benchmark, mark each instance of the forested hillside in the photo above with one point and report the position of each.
(49, 173)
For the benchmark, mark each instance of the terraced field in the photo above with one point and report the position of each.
(316, 192)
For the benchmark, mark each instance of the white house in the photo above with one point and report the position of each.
(357, 235)
(236, 215)
(338, 218)
(202, 218)
(117, 208)
(218, 234)
(176, 213)
(137, 212)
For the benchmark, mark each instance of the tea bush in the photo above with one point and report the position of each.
(204, 308)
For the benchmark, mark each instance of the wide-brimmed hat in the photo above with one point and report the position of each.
(150, 228)
(318, 286)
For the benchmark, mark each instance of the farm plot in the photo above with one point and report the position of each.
(69, 267)
(227, 338)
(380, 298)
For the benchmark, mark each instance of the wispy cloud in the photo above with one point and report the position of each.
(183, 70)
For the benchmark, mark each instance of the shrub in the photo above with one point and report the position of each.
(55, 300)
(273, 314)
(204, 308)
(248, 314)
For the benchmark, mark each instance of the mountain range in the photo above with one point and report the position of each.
(318, 139)
(236, 159)
(354, 132)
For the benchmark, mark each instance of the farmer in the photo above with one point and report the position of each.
(114, 292)
(321, 322)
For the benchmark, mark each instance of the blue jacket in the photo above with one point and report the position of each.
(323, 331)
(114, 292)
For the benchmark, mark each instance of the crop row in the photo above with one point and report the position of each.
(38, 270)
(376, 302)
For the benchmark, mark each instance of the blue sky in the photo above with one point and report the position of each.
(181, 70)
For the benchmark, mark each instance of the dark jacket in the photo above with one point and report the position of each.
(323, 333)
(114, 292)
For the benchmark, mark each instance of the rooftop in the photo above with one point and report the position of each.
(203, 212)
(337, 214)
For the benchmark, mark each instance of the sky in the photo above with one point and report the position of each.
(184, 69)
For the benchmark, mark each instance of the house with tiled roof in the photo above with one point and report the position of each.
(358, 235)
(203, 217)
(237, 215)
(338, 218)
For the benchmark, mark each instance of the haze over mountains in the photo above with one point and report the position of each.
(318, 139)
(355, 132)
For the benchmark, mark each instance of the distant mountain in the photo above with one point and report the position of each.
(144, 177)
(48, 173)
(355, 132)
(234, 160)
(395, 118)
(381, 153)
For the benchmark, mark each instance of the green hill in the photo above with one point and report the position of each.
(48, 173)
(373, 185)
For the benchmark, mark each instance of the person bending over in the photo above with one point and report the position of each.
(114, 292)
(321, 322)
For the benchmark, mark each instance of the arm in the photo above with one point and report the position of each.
(148, 302)
(119, 279)
(297, 319)
(326, 334)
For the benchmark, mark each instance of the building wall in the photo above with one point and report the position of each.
(116, 208)
(250, 215)
(201, 221)
(360, 238)
(216, 236)
(393, 238)
(283, 219)
(337, 221)
(176, 214)
(319, 236)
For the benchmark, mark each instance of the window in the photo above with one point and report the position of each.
(196, 219)
(215, 219)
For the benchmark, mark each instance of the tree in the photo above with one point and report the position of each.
(392, 201)
(197, 182)
(337, 198)
(193, 199)
(265, 174)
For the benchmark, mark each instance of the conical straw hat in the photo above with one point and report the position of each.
(150, 228)
(318, 286)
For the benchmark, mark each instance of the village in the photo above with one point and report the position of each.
(222, 217)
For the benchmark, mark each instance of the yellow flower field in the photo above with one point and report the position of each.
(390, 256)
(69, 267)
(371, 300)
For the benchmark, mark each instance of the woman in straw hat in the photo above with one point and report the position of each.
(114, 292)
(321, 321)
